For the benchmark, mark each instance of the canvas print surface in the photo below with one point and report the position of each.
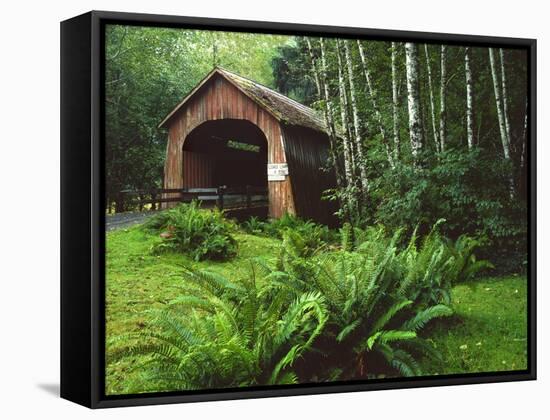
(286, 210)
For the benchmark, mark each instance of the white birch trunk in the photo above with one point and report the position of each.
(314, 67)
(413, 100)
(500, 114)
(371, 93)
(469, 99)
(348, 156)
(501, 118)
(356, 120)
(395, 100)
(505, 98)
(443, 100)
(431, 92)
(524, 136)
(320, 75)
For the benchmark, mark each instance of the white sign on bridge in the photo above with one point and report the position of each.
(277, 171)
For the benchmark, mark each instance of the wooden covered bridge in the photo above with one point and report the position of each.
(233, 132)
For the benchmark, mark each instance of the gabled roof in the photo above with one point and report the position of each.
(281, 107)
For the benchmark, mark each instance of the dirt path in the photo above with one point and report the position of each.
(122, 220)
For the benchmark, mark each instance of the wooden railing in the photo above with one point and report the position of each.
(224, 198)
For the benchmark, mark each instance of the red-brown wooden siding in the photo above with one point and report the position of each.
(307, 152)
(197, 170)
(218, 99)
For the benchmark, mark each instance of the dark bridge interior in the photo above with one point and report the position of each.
(230, 153)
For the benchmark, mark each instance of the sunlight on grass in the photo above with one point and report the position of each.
(137, 281)
(488, 332)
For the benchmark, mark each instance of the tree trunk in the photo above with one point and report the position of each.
(356, 120)
(443, 100)
(501, 120)
(314, 68)
(413, 100)
(431, 92)
(348, 156)
(395, 101)
(319, 75)
(498, 101)
(524, 136)
(374, 102)
(469, 99)
(505, 98)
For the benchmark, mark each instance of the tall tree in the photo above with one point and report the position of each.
(443, 100)
(361, 162)
(505, 96)
(524, 135)
(321, 76)
(498, 103)
(469, 99)
(431, 92)
(348, 152)
(395, 101)
(371, 93)
(314, 68)
(413, 100)
(505, 140)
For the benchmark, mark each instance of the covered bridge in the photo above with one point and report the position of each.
(231, 131)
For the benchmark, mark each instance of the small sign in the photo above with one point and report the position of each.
(277, 171)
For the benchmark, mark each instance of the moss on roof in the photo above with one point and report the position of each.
(284, 109)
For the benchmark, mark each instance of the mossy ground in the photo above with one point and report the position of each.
(488, 333)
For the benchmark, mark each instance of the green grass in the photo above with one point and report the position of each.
(487, 333)
(137, 281)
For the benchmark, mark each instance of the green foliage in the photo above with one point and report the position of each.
(369, 315)
(488, 332)
(471, 190)
(291, 71)
(222, 334)
(229, 324)
(147, 73)
(431, 269)
(203, 234)
(315, 234)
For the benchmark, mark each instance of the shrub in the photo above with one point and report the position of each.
(430, 270)
(317, 234)
(253, 225)
(224, 333)
(203, 234)
(312, 316)
(379, 295)
(471, 190)
(372, 328)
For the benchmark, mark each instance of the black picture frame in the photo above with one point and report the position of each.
(83, 219)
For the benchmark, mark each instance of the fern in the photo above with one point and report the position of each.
(420, 320)
(233, 333)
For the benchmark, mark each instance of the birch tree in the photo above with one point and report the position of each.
(371, 93)
(443, 100)
(395, 101)
(320, 75)
(413, 100)
(498, 103)
(505, 97)
(348, 153)
(500, 114)
(469, 99)
(314, 68)
(356, 120)
(431, 93)
(524, 136)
